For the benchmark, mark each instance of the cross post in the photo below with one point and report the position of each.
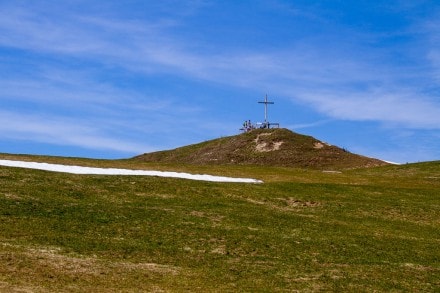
(265, 108)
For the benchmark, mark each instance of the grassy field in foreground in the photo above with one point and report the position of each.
(360, 230)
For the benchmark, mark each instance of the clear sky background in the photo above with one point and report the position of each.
(113, 79)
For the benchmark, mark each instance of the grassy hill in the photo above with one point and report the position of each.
(374, 229)
(273, 147)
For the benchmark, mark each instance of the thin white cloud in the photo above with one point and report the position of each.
(431, 29)
(62, 131)
(307, 125)
(404, 109)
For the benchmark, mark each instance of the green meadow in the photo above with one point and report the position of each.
(361, 230)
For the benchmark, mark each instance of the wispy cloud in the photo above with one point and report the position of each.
(308, 125)
(431, 31)
(405, 109)
(62, 131)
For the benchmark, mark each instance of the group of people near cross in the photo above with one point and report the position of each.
(248, 126)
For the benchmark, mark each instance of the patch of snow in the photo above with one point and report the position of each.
(114, 171)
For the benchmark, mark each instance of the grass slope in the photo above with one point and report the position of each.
(375, 229)
(273, 147)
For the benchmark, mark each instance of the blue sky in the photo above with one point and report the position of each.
(113, 79)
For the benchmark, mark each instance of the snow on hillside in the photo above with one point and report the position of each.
(113, 171)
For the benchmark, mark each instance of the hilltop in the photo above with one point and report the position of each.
(269, 147)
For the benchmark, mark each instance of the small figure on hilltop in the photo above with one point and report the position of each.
(247, 126)
(250, 126)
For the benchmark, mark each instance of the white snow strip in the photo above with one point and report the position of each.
(393, 163)
(113, 171)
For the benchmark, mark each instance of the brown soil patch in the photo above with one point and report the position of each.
(291, 202)
(318, 145)
(262, 146)
(286, 204)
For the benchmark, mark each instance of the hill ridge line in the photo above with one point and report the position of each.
(264, 147)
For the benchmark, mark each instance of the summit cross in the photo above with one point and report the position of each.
(265, 102)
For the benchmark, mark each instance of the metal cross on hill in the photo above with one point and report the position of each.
(248, 126)
(265, 107)
(266, 123)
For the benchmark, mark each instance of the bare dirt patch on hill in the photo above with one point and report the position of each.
(262, 146)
